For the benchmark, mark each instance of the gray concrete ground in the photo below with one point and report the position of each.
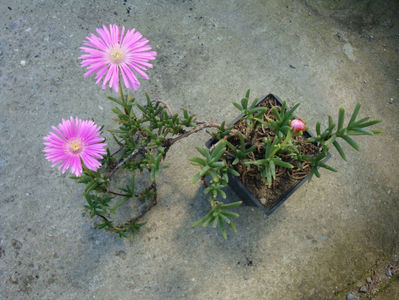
(210, 52)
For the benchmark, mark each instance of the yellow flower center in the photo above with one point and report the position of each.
(117, 55)
(75, 147)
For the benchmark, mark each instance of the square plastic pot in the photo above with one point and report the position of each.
(241, 190)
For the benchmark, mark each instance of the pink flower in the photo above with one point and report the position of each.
(297, 125)
(74, 141)
(113, 52)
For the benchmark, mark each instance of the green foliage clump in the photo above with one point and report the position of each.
(145, 131)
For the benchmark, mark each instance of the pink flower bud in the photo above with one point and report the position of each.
(297, 125)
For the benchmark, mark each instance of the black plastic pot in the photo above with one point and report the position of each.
(242, 192)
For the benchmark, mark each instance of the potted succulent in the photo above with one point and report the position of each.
(266, 154)
(265, 196)
(265, 144)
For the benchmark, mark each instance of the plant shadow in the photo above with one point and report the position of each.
(194, 255)
(238, 250)
(86, 254)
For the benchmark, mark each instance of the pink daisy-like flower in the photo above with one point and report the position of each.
(73, 141)
(115, 52)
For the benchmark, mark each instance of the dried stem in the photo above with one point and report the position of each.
(201, 125)
(165, 104)
(140, 215)
(131, 155)
(117, 194)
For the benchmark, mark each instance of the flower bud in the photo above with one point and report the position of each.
(297, 125)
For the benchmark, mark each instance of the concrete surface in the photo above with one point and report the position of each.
(210, 52)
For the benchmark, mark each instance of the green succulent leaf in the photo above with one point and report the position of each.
(366, 124)
(291, 111)
(204, 219)
(116, 101)
(360, 131)
(282, 163)
(318, 128)
(323, 165)
(244, 103)
(339, 149)
(276, 114)
(222, 229)
(230, 214)
(196, 178)
(247, 94)
(197, 161)
(341, 116)
(234, 172)
(354, 114)
(351, 142)
(238, 106)
(231, 205)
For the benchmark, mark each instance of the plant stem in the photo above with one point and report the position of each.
(201, 125)
(117, 194)
(131, 155)
(121, 92)
(166, 105)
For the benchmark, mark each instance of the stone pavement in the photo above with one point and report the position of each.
(325, 54)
